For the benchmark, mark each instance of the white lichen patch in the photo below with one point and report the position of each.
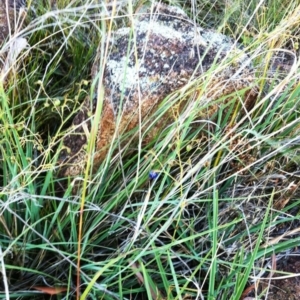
(122, 74)
(159, 29)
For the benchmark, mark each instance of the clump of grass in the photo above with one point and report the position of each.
(204, 228)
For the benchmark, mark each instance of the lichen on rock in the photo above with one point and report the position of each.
(162, 51)
(10, 20)
(9, 17)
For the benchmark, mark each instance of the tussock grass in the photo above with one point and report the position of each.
(226, 195)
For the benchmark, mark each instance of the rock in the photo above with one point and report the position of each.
(10, 20)
(160, 53)
(9, 17)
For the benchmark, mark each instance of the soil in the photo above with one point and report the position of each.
(284, 284)
(287, 288)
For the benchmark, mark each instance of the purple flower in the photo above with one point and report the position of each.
(153, 175)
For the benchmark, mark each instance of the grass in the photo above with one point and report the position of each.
(205, 228)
